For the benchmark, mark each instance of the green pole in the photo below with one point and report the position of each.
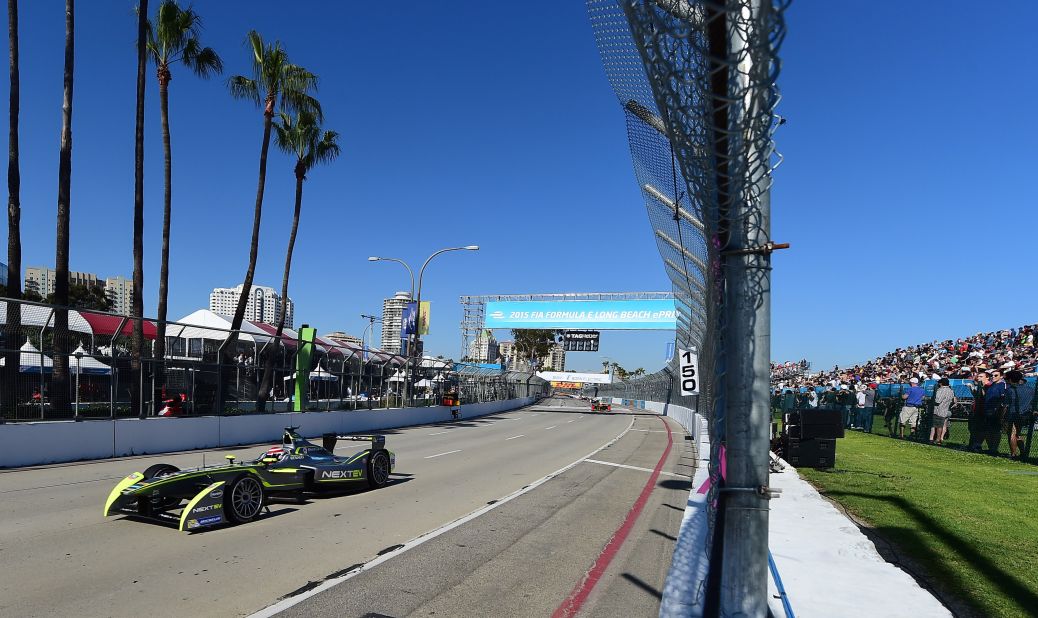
(304, 353)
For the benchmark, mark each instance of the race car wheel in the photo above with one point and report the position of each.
(378, 469)
(243, 499)
(145, 506)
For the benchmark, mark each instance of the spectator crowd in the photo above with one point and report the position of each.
(1003, 350)
(995, 366)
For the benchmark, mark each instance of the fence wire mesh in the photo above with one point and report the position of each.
(697, 83)
(97, 379)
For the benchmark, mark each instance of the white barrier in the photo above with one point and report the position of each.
(30, 444)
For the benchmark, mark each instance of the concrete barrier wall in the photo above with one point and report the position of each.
(29, 444)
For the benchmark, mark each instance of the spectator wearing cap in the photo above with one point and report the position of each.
(943, 399)
(1019, 411)
(913, 398)
(845, 400)
(859, 406)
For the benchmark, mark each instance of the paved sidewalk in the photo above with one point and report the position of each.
(828, 567)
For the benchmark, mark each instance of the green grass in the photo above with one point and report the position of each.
(970, 521)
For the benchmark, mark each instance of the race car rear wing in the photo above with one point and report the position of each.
(378, 441)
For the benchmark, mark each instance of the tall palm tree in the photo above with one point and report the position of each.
(274, 81)
(59, 394)
(303, 138)
(14, 216)
(172, 38)
(137, 298)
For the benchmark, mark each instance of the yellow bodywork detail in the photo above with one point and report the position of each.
(123, 484)
(283, 470)
(194, 501)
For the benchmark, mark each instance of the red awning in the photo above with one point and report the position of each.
(103, 324)
(272, 330)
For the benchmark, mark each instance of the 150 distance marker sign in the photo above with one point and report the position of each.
(688, 365)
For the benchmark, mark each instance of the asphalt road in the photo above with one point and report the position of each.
(63, 558)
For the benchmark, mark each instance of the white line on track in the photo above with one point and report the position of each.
(552, 427)
(571, 421)
(442, 454)
(618, 465)
(522, 435)
(439, 433)
(281, 606)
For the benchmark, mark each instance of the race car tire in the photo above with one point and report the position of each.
(243, 499)
(145, 506)
(378, 469)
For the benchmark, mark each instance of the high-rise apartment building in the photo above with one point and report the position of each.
(40, 279)
(263, 306)
(556, 359)
(392, 314)
(484, 348)
(119, 290)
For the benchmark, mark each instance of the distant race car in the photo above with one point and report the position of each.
(236, 492)
(600, 405)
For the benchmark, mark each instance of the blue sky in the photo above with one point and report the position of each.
(493, 124)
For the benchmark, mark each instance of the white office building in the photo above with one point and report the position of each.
(484, 348)
(344, 337)
(263, 306)
(556, 359)
(119, 290)
(392, 314)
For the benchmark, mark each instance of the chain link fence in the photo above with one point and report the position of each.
(697, 83)
(52, 372)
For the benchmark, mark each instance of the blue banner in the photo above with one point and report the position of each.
(583, 314)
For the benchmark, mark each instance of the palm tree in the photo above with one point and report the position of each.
(59, 394)
(303, 138)
(173, 38)
(274, 81)
(14, 216)
(137, 299)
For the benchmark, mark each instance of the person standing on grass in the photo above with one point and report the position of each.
(812, 397)
(943, 399)
(976, 419)
(859, 406)
(913, 398)
(994, 411)
(1019, 414)
(870, 407)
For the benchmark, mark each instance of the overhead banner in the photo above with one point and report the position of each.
(583, 314)
(572, 376)
(569, 385)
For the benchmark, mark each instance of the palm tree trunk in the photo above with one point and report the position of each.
(13, 331)
(160, 338)
(59, 395)
(137, 300)
(268, 367)
(243, 299)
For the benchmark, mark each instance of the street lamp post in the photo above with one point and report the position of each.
(414, 339)
(412, 349)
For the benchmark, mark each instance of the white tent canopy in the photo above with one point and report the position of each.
(317, 375)
(204, 324)
(29, 359)
(86, 364)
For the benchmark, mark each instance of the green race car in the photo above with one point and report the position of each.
(237, 491)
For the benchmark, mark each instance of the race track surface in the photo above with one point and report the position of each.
(522, 558)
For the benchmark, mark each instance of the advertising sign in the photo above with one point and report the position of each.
(583, 314)
(573, 376)
(580, 340)
(571, 385)
(423, 327)
(688, 367)
(408, 316)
